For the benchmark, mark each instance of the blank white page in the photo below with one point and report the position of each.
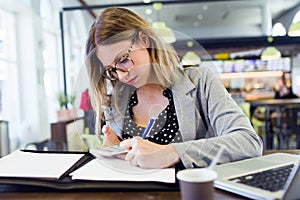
(36, 165)
(114, 169)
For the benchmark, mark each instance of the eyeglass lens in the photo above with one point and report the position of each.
(123, 65)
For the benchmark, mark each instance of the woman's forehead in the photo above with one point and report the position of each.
(108, 53)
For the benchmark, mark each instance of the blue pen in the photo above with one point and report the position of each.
(148, 128)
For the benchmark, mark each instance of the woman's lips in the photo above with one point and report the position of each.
(131, 81)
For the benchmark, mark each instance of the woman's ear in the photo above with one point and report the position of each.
(144, 39)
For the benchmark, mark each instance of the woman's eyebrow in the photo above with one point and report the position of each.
(117, 57)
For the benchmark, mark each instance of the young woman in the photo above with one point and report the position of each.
(135, 75)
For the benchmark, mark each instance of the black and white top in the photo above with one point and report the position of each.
(165, 129)
(208, 119)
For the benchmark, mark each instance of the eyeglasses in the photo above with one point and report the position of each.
(123, 65)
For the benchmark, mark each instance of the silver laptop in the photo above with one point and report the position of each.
(279, 177)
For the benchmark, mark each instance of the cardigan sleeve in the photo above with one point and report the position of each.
(227, 125)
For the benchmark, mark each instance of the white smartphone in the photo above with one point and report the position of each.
(108, 151)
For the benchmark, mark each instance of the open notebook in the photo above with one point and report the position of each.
(274, 176)
(73, 169)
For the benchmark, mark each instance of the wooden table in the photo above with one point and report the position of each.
(279, 106)
(174, 195)
(110, 195)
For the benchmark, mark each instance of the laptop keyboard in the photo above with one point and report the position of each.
(272, 180)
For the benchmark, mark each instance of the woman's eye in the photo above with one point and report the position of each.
(125, 62)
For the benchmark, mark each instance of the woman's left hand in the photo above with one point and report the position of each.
(146, 154)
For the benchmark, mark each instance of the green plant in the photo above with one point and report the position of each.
(71, 99)
(64, 100)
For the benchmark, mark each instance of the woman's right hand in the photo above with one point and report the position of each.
(110, 137)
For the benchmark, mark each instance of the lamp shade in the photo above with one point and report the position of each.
(190, 58)
(270, 53)
(165, 32)
(294, 29)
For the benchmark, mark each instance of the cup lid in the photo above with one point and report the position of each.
(197, 175)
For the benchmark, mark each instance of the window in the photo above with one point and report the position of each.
(9, 92)
(51, 73)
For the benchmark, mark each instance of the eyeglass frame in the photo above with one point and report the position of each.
(115, 69)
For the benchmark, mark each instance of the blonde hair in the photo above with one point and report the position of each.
(124, 24)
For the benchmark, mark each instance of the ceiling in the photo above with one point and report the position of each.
(218, 26)
(214, 19)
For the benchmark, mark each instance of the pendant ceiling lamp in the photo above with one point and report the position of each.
(294, 30)
(270, 53)
(165, 32)
(190, 58)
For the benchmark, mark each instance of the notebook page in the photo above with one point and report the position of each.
(113, 169)
(36, 165)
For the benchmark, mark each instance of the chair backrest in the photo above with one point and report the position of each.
(47, 145)
(291, 118)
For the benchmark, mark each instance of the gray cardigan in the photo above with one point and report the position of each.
(208, 119)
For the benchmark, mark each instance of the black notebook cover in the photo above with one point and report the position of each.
(65, 183)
